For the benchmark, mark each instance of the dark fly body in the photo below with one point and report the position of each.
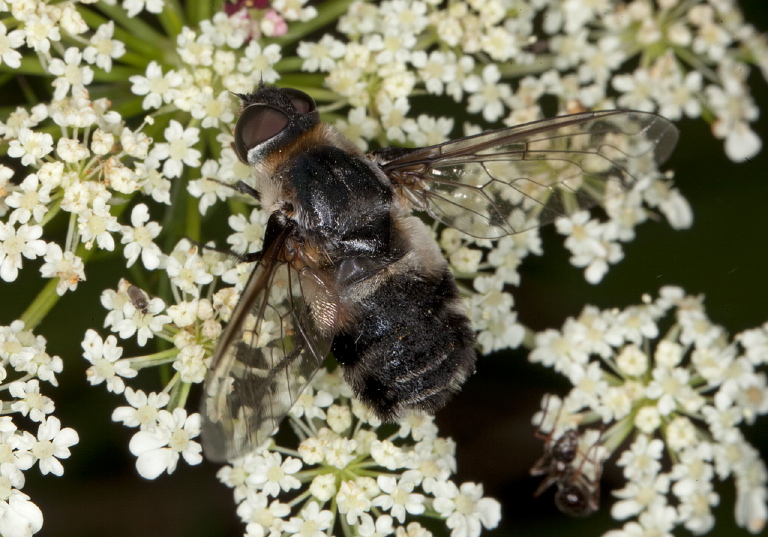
(138, 298)
(347, 268)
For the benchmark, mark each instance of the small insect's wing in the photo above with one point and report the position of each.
(505, 181)
(266, 356)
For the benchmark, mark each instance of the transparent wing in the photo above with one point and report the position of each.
(266, 356)
(505, 181)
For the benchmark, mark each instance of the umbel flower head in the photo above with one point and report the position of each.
(122, 149)
(680, 388)
(350, 475)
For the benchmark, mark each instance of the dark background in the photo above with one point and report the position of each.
(722, 256)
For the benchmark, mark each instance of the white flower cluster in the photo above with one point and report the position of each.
(192, 326)
(689, 57)
(105, 176)
(97, 161)
(376, 486)
(390, 53)
(346, 473)
(24, 363)
(685, 392)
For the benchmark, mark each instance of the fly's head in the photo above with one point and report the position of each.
(272, 120)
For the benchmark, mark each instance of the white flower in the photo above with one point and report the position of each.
(272, 474)
(249, 231)
(29, 201)
(741, 142)
(138, 239)
(322, 55)
(208, 188)
(312, 522)
(359, 128)
(658, 520)
(261, 516)
(751, 510)
(157, 87)
(339, 418)
(398, 497)
(669, 387)
(178, 150)
(465, 509)
(487, 94)
(134, 7)
(19, 517)
(189, 275)
(352, 501)
(30, 146)
(9, 42)
(98, 224)
(158, 450)
(323, 486)
(107, 366)
(189, 363)
(40, 30)
(642, 458)
(70, 74)
(639, 494)
(52, 444)
(648, 419)
(435, 70)
(30, 400)
(311, 404)
(17, 242)
(66, 266)
(258, 62)
(383, 525)
(500, 44)
(26, 352)
(592, 243)
(143, 410)
(144, 324)
(103, 49)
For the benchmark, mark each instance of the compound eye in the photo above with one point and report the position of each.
(302, 102)
(257, 124)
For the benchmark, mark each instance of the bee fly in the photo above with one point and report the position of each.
(346, 268)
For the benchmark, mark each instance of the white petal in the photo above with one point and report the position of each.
(153, 463)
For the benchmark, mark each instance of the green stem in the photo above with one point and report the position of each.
(179, 394)
(53, 210)
(198, 10)
(130, 107)
(30, 65)
(91, 18)
(134, 59)
(139, 361)
(43, 303)
(170, 18)
(292, 63)
(5, 78)
(193, 219)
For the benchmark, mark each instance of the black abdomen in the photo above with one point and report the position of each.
(412, 346)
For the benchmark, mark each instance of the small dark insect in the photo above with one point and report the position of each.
(346, 268)
(578, 485)
(138, 298)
